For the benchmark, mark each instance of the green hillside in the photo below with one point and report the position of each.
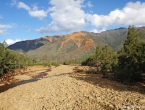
(72, 46)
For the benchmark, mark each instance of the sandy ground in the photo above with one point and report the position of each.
(62, 89)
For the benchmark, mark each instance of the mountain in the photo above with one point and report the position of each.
(72, 46)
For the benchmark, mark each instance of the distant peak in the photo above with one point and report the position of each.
(120, 28)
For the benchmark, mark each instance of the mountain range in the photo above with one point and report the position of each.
(76, 45)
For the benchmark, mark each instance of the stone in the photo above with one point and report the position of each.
(111, 106)
(142, 101)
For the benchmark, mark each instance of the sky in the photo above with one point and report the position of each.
(31, 19)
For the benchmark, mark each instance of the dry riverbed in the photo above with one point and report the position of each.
(60, 88)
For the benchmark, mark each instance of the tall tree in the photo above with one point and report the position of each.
(98, 55)
(106, 60)
(130, 64)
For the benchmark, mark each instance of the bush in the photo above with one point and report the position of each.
(10, 60)
(55, 64)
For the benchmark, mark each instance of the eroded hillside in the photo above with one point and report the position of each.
(72, 46)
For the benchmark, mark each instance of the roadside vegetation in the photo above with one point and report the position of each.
(11, 60)
(127, 64)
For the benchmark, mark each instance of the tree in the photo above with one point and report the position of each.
(8, 59)
(5, 59)
(98, 55)
(106, 60)
(131, 58)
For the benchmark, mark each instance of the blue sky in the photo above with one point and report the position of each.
(31, 19)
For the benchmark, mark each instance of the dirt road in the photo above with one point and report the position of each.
(62, 89)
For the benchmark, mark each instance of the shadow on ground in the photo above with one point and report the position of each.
(15, 83)
(8, 86)
(96, 79)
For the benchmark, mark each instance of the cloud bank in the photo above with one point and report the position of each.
(97, 30)
(10, 41)
(131, 14)
(70, 16)
(67, 15)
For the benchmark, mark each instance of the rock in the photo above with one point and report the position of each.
(111, 106)
(142, 101)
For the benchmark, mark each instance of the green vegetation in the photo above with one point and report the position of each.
(127, 64)
(104, 59)
(131, 60)
(10, 60)
(47, 64)
(55, 63)
(68, 62)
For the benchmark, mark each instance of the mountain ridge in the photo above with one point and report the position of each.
(72, 46)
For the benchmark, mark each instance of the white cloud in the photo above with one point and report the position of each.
(38, 13)
(10, 41)
(34, 11)
(94, 30)
(89, 4)
(3, 27)
(98, 30)
(24, 6)
(131, 14)
(67, 15)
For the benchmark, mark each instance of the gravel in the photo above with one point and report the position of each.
(62, 89)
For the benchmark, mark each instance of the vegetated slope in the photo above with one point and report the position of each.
(72, 46)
